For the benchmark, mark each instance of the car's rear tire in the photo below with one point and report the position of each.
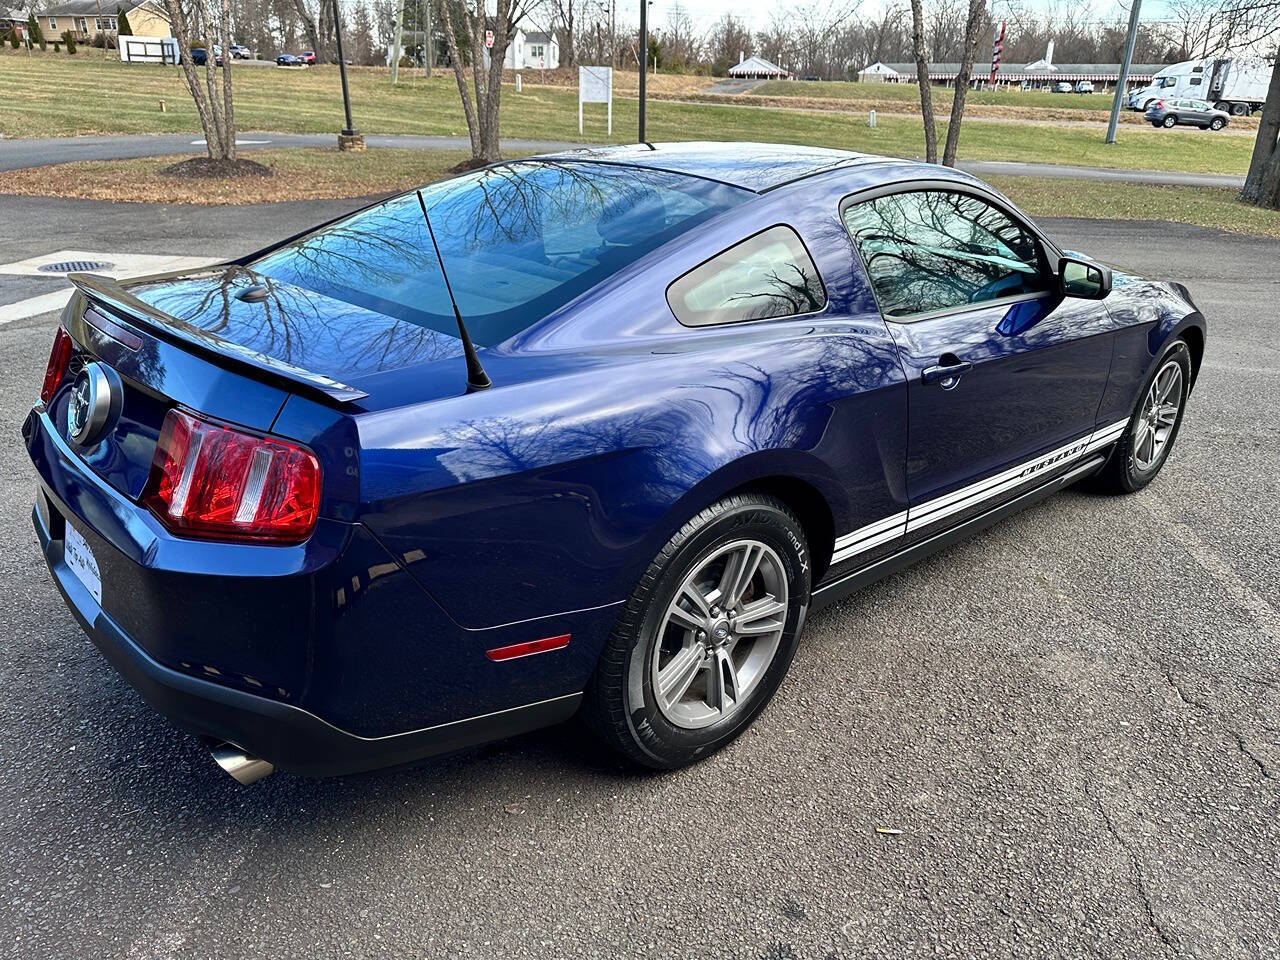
(1217, 123)
(680, 676)
(1169, 122)
(1146, 443)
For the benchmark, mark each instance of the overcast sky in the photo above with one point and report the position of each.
(757, 12)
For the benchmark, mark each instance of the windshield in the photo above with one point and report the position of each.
(519, 241)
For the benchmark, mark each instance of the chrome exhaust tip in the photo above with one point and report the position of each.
(245, 768)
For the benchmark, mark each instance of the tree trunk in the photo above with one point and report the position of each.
(922, 77)
(482, 115)
(972, 28)
(460, 74)
(217, 117)
(1262, 185)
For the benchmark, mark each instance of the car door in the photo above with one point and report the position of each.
(1004, 373)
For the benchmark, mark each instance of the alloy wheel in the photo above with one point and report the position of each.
(719, 634)
(1158, 417)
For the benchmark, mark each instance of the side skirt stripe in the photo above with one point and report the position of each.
(914, 518)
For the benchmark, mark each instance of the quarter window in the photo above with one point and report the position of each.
(932, 250)
(765, 276)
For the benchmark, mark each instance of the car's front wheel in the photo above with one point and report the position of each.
(1145, 445)
(706, 637)
(1217, 123)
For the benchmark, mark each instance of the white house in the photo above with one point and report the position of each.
(878, 73)
(532, 50)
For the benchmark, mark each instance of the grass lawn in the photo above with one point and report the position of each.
(1107, 200)
(310, 173)
(844, 90)
(297, 174)
(49, 95)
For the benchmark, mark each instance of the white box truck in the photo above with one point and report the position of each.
(1237, 85)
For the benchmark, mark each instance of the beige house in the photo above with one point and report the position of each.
(87, 18)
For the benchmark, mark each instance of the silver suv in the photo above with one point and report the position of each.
(1171, 111)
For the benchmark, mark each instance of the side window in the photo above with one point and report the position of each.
(931, 250)
(1195, 81)
(768, 275)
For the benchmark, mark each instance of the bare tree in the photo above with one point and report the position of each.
(922, 78)
(216, 110)
(482, 112)
(974, 28)
(563, 24)
(1262, 185)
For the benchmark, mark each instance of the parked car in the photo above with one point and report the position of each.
(597, 430)
(200, 56)
(288, 60)
(1234, 85)
(308, 56)
(1084, 86)
(1062, 86)
(1197, 113)
(240, 52)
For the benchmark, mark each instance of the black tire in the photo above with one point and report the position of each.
(1122, 473)
(621, 706)
(1217, 123)
(1223, 106)
(1169, 122)
(1239, 109)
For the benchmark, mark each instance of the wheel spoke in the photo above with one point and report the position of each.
(1172, 379)
(739, 569)
(1139, 434)
(722, 684)
(765, 615)
(696, 614)
(1167, 414)
(678, 675)
(1148, 440)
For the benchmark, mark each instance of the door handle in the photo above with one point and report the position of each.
(946, 371)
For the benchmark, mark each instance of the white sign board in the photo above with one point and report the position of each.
(595, 85)
(488, 39)
(148, 49)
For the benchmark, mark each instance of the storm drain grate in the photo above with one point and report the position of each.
(74, 266)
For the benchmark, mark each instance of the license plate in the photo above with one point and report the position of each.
(82, 563)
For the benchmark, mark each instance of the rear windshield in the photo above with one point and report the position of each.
(519, 241)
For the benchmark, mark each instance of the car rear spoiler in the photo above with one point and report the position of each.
(109, 295)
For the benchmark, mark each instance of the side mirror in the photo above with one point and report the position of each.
(1083, 279)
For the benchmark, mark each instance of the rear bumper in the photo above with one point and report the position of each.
(289, 737)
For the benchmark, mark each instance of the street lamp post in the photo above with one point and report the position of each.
(349, 138)
(644, 58)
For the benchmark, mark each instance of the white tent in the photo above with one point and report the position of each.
(878, 72)
(757, 68)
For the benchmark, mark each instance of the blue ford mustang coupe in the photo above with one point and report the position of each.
(585, 432)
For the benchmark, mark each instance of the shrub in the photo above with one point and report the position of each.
(122, 24)
(69, 39)
(13, 39)
(57, 46)
(34, 31)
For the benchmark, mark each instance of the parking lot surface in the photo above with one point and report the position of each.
(1073, 720)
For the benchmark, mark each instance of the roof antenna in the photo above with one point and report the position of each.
(477, 379)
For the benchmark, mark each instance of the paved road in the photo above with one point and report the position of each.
(17, 154)
(1074, 719)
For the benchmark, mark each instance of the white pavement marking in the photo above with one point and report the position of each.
(239, 143)
(45, 303)
(123, 266)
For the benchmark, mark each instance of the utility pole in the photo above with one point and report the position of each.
(1124, 70)
(349, 138)
(395, 48)
(644, 58)
(613, 34)
(430, 41)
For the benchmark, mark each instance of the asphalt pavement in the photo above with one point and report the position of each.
(19, 154)
(1073, 720)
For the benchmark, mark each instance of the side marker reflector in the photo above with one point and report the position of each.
(528, 648)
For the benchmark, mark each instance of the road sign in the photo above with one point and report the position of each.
(488, 39)
(595, 85)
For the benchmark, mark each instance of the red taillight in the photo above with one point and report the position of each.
(1159, 104)
(59, 357)
(209, 480)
